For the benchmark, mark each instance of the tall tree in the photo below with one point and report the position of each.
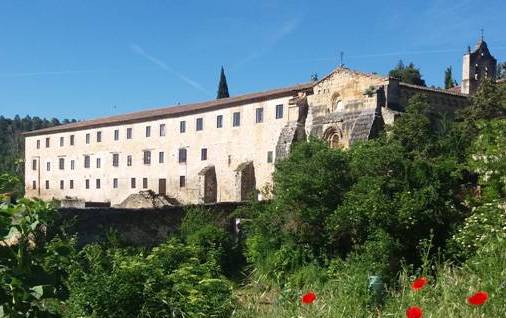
(449, 81)
(222, 87)
(407, 74)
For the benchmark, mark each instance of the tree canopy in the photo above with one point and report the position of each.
(407, 74)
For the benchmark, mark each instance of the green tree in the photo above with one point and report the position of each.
(222, 86)
(488, 102)
(407, 74)
(449, 81)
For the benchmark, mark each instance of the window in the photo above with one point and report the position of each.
(62, 184)
(148, 131)
(116, 134)
(99, 136)
(182, 126)
(86, 161)
(87, 138)
(62, 141)
(115, 183)
(203, 154)
(97, 183)
(182, 181)
(236, 120)
(71, 184)
(61, 163)
(162, 130)
(199, 124)
(99, 163)
(47, 142)
(34, 184)
(115, 160)
(229, 160)
(144, 183)
(182, 155)
(219, 121)
(260, 115)
(87, 183)
(132, 183)
(34, 164)
(269, 156)
(147, 157)
(47, 184)
(161, 156)
(48, 166)
(129, 133)
(129, 160)
(38, 144)
(72, 164)
(72, 139)
(279, 111)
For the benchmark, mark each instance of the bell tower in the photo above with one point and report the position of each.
(477, 65)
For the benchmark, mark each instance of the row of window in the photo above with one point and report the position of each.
(182, 157)
(199, 126)
(115, 183)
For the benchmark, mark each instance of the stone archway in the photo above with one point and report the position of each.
(245, 181)
(334, 137)
(208, 187)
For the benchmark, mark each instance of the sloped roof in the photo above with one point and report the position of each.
(432, 89)
(174, 111)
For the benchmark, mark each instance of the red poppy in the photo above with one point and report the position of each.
(478, 298)
(414, 312)
(308, 298)
(419, 283)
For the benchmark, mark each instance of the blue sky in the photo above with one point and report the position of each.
(86, 59)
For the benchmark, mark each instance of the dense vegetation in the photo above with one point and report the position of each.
(355, 227)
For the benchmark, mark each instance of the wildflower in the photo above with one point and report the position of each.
(478, 298)
(414, 312)
(419, 283)
(308, 298)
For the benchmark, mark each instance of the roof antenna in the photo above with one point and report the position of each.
(342, 58)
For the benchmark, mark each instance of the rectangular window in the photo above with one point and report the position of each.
(115, 160)
(62, 184)
(48, 166)
(87, 183)
(98, 184)
(47, 142)
(47, 184)
(87, 138)
(144, 183)
(182, 126)
(62, 141)
(86, 161)
(269, 156)
(99, 163)
(203, 154)
(71, 184)
(182, 181)
(99, 136)
(116, 134)
(162, 130)
(219, 121)
(147, 157)
(115, 183)
(34, 184)
(260, 115)
(34, 164)
(61, 163)
(129, 160)
(199, 124)
(148, 131)
(72, 164)
(132, 183)
(279, 111)
(38, 144)
(182, 155)
(72, 139)
(236, 119)
(129, 133)
(161, 157)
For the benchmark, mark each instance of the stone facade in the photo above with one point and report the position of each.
(477, 65)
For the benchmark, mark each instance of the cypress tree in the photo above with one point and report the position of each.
(222, 87)
(449, 81)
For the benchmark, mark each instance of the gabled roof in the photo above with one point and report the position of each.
(174, 111)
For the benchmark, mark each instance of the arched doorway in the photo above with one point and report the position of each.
(208, 186)
(245, 180)
(334, 137)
